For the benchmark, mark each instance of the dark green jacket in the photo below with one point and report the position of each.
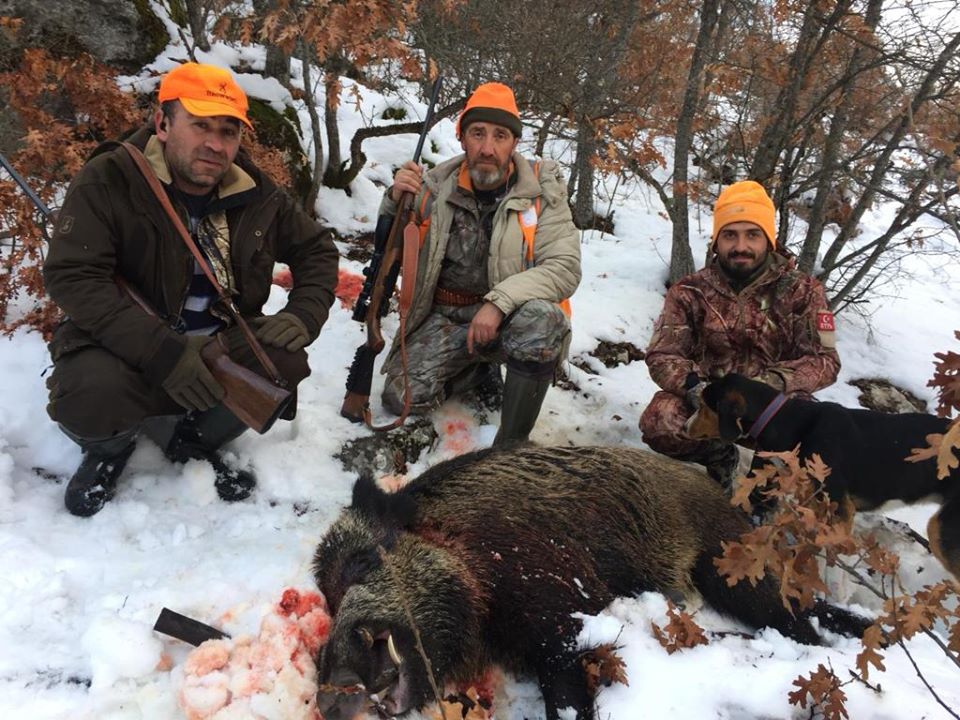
(111, 224)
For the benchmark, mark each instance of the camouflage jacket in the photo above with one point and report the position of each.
(778, 329)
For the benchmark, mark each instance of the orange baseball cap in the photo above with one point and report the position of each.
(205, 90)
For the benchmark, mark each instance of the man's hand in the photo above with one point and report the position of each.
(283, 330)
(190, 383)
(407, 179)
(484, 326)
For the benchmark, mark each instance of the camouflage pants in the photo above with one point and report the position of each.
(534, 335)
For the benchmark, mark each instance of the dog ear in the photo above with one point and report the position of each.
(730, 410)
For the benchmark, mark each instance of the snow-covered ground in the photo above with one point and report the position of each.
(78, 597)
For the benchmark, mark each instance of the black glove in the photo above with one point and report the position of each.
(190, 383)
(693, 392)
(284, 330)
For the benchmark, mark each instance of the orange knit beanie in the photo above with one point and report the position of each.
(745, 201)
(494, 103)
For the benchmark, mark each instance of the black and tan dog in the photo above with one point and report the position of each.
(865, 450)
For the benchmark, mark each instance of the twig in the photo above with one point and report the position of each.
(924, 680)
(388, 563)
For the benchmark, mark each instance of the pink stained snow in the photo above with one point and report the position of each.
(268, 677)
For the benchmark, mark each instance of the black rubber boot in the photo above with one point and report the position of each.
(198, 437)
(523, 396)
(95, 481)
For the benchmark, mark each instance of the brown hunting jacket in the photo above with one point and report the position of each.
(111, 224)
(778, 329)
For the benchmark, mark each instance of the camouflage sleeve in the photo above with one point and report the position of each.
(811, 361)
(673, 344)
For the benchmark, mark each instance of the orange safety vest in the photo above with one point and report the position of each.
(528, 226)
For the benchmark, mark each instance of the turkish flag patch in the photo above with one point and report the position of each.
(825, 321)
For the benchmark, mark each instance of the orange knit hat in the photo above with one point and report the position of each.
(745, 201)
(494, 103)
(205, 90)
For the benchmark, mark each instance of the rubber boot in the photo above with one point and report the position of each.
(95, 481)
(199, 437)
(522, 398)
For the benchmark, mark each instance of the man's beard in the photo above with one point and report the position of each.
(741, 272)
(483, 178)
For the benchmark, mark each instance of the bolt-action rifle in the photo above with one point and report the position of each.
(396, 246)
(253, 399)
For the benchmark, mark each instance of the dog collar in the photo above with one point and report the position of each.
(767, 415)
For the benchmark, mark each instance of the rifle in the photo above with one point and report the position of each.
(256, 401)
(396, 244)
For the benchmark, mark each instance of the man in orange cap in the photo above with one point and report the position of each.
(499, 259)
(119, 369)
(750, 311)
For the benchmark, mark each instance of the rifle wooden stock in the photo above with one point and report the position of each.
(258, 402)
(252, 398)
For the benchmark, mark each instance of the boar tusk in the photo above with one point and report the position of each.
(392, 649)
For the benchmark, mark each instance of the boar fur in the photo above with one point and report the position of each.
(494, 552)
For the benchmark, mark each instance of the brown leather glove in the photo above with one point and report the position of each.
(190, 383)
(283, 330)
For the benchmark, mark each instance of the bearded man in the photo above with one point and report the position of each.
(499, 257)
(750, 311)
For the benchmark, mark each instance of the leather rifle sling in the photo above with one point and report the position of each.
(408, 282)
(154, 182)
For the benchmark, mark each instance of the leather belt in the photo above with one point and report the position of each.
(442, 296)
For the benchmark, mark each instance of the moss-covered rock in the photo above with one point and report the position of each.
(152, 27)
(281, 131)
(124, 34)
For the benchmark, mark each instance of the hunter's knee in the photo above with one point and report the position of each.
(536, 332)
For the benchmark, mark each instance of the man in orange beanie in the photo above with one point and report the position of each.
(119, 368)
(750, 311)
(499, 258)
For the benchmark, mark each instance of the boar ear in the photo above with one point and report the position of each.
(396, 509)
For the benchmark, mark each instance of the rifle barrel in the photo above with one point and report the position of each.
(27, 190)
(434, 96)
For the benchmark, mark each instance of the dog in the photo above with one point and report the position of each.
(491, 556)
(865, 450)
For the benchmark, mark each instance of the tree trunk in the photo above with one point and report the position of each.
(681, 259)
(834, 143)
(543, 134)
(197, 18)
(310, 203)
(278, 62)
(335, 165)
(584, 171)
(813, 33)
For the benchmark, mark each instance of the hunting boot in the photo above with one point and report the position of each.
(199, 437)
(95, 481)
(523, 395)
